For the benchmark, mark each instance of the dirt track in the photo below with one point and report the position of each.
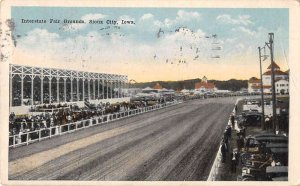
(175, 143)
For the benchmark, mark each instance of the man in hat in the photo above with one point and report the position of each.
(223, 151)
(233, 162)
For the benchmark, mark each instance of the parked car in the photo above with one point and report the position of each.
(277, 172)
(252, 119)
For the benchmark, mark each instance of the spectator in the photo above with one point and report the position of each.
(232, 121)
(228, 131)
(233, 162)
(223, 151)
(240, 143)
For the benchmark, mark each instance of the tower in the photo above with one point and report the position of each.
(204, 79)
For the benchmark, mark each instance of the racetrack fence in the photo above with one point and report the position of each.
(45, 133)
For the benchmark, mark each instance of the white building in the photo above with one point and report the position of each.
(278, 75)
(254, 84)
(282, 86)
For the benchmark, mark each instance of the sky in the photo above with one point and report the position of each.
(160, 43)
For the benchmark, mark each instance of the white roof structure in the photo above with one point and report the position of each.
(148, 88)
(185, 90)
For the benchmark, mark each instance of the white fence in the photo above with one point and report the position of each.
(45, 133)
(215, 167)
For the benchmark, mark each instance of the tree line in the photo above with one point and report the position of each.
(232, 84)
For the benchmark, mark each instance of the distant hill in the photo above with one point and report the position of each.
(231, 84)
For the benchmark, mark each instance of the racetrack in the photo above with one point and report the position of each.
(175, 143)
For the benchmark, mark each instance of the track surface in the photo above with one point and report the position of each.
(175, 143)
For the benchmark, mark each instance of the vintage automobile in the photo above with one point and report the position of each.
(279, 172)
(251, 119)
(258, 143)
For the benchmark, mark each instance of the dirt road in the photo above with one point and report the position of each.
(175, 143)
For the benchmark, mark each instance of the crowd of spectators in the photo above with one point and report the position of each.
(64, 113)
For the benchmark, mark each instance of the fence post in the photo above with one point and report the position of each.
(14, 140)
(40, 135)
(27, 138)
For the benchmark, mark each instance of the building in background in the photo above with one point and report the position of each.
(205, 86)
(281, 81)
(282, 86)
(254, 85)
(158, 86)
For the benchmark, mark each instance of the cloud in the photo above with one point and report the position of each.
(247, 31)
(184, 15)
(146, 16)
(126, 17)
(181, 17)
(38, 37)
(94, 46)
(241, 20)
(79, 26)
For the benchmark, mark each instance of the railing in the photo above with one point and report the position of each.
(215, 167)
(45, 133)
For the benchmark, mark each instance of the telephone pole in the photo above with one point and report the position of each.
(271, 47)
(262, 92)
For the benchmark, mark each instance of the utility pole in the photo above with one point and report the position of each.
(262, 92)
(271, 47)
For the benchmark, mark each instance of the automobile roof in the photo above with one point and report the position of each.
(268, 134)
(271, 138)
(279, 150)
(276, 145)
(282, 178)
(276, 169)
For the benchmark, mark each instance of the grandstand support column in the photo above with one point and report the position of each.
(94, 89)
(65, 90)
(50, 95)
(83, 94)
(31, 90)
(77, 91)
(71, 89)
(89, 90)
(106, 88)
(42, 89)
(10, 89)
(98, 87)
(57, 91)
(121, 86)
(111, 87)
(118, 87)
(22, 84)
(102, 88)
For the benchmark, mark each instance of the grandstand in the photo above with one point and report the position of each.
(36, 86)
